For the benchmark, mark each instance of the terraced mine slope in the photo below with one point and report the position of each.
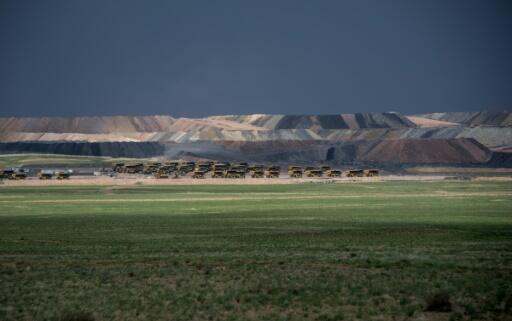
(361, 138)
(503, 118)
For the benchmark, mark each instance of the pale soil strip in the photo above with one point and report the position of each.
(493, 179)
(427, 122)
(256, 198)
(150, 181)
(132, 181)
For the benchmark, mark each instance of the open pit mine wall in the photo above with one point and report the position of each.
(112, 149)
(496, 138)
(484, 118)
(147, 124)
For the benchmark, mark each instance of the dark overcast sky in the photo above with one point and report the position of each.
(195, 58)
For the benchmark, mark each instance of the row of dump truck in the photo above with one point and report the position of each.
(21, 174)
(47, 174)
(200, 170)
(233, 170)
(13, 174)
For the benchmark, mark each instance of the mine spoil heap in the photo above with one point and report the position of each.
(474, 138)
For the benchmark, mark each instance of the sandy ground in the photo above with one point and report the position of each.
(149, 180)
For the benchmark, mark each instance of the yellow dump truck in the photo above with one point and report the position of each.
(14, 173)
(204, 167)
(232, 173)
(218, 174)
(220, 167)
(333, 173)
(355, 173)
(190, 165)
(136, 168)
(273, 172)
(45, 174)
(173, 165)
(119, 168)
(371, 172)
(63, 175)
(151, 168)
(7, 174)
(198, 174)
(294, 171)
(257, 173)
(313, 172)
(161, 174)
(241, 166)
(166, 169)
(19, 176)
(184, 169)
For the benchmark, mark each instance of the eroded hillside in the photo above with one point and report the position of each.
(456, 138)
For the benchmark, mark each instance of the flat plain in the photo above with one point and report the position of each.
(314, 251)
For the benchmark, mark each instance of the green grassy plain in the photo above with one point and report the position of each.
(16, 160)
(360, 251)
